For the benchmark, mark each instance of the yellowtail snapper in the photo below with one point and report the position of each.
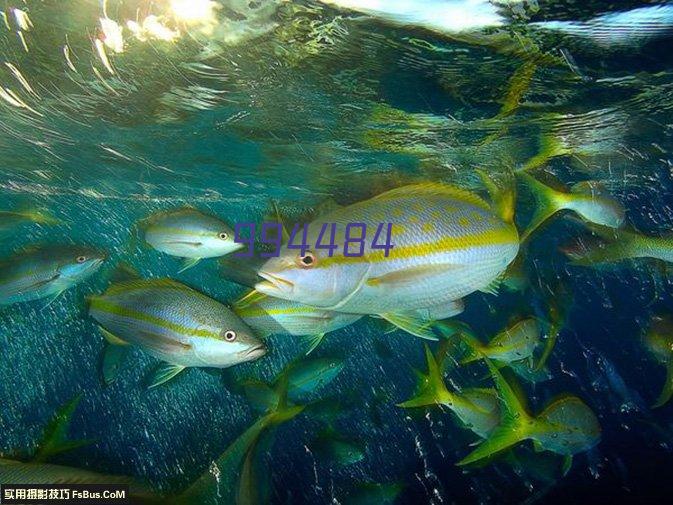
(174, 323)
(46, 271)
(565, 426)
(447, 243)
(658, 340)
(476, 408)
(189, 233)
(267, 315)
(587, 199)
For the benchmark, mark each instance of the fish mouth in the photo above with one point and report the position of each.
(272, 283)
(255, 352)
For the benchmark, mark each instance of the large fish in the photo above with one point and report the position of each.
(176, 324)
(447, 243)
(45, 271)
(191, 234)
(268, 315)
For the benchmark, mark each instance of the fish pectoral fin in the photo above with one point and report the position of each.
(114, 357)
(409, 275)
(164, 373)
(313, 341)
(417, 327)
(112, 339)
(188, 263)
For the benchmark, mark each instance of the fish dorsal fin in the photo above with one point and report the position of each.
(55, 436)
(425, 189)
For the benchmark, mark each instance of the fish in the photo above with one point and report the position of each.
(10, 219)
(307, 376)
(658, 340)
(175, 323)
(515, 343)
(447, 243)
(332, 446)
(267, 315)
(476, 408)
(17, 472)
(615, 246)
(566, 426)
(46, 271)
(381, 493)
(189, 233)
(588, 200)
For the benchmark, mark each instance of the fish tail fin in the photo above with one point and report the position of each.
(417, 327)
(550, 147)
(516, 425)
(432, 389)
(55, 437)
(667, 390)
(313, 341)
(503, 437)
(548, 201)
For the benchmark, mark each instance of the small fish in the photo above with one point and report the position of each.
(10, 219)
(588, 200)
(189, 233)
(174, 323)
(566, 426)
(658, 340)
(515, 343)
(17, 472)
(367, 493)
(332, 446)
(447, 243)
(267, 315)
(619, 245)
(476, 408)
(309, 375)
(46, 271)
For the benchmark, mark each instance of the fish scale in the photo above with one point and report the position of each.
(449, 243)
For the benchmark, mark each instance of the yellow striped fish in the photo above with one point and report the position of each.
(176, 324)
(267, 316)
(447, 243)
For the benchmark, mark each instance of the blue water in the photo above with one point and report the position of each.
(313, 103)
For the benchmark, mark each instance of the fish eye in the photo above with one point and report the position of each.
(307, 260)
(223, 235)
(81, 259)
(230, 335)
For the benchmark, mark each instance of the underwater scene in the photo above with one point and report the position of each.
(341, 252)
